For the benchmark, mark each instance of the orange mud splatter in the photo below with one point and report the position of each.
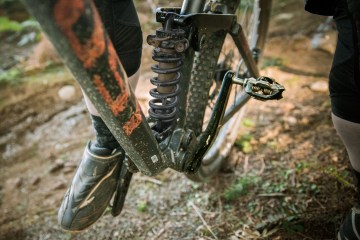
(114, 63)
(134, 121)
(118, 105)
(89, 52)
(95, 46)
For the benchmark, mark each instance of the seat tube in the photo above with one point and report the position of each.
(192, 6)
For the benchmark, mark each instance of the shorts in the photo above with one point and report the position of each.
(344, 80)
(122, 24)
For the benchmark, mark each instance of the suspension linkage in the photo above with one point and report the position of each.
(262, 88)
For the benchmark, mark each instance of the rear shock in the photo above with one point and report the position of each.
(169, 43)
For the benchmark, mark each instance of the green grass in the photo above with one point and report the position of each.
(142, 206)
(272, 62)
(11, 76)
(8, 25)
(249, 123)
(241, 187)
(342, 177)
(51, 74)
(244, 143)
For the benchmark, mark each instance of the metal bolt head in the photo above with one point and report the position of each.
(180, 47)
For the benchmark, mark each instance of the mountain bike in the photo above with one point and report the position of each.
(207, 55)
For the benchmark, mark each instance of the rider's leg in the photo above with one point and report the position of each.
(349, 133)
(96, 177)
(105, 142)
(345, 102)
(122, 23)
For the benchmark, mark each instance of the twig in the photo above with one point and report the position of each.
(149, 179)
(149, 225)
(246, 164)
(202, 219)
(159, 233)
(262, 169)
(318, 202)
(271, 195)
(220, 206)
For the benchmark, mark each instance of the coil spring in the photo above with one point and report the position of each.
(163, 108)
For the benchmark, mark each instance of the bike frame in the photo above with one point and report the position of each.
(92, 59)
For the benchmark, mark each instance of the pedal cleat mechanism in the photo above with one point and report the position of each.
(262, 88)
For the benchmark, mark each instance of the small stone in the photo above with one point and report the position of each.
(59, 185)
(67, 170)
(324, 42)
(57, 165)
(67, 92)
(291, 120)
(116, 234)
(49, 202)
(279, 112)
(305, 121)
(35, 181)
(319, 86)
(284, 16)
(70, 165)
(14, 182)
(287, 106)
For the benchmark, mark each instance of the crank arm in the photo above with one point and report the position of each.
(122, 187)
(205, 140)
(263, 88)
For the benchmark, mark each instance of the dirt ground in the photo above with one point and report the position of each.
(289, 175)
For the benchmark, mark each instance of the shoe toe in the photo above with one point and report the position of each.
(90, 192)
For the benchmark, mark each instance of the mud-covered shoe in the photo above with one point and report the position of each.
(350, 229)
(91, 190)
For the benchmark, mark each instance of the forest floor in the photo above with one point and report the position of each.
(289, 179)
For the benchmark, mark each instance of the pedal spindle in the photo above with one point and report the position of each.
(169, 47)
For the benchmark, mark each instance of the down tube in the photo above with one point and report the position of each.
(76, 30)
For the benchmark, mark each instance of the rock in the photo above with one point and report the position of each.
(59, 185)
(319, 86)
(35, 180)
(49, 202)
(305, 121)
(291, 120)
(284, 16)
(287, 106)
(57, 165)
(67, 170)
(14, 183)
(67, 92)
(325, 42)
(116, 234)
(69, 167)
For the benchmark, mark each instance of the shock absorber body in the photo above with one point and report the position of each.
(169, 43)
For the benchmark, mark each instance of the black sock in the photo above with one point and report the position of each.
(105, 142)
